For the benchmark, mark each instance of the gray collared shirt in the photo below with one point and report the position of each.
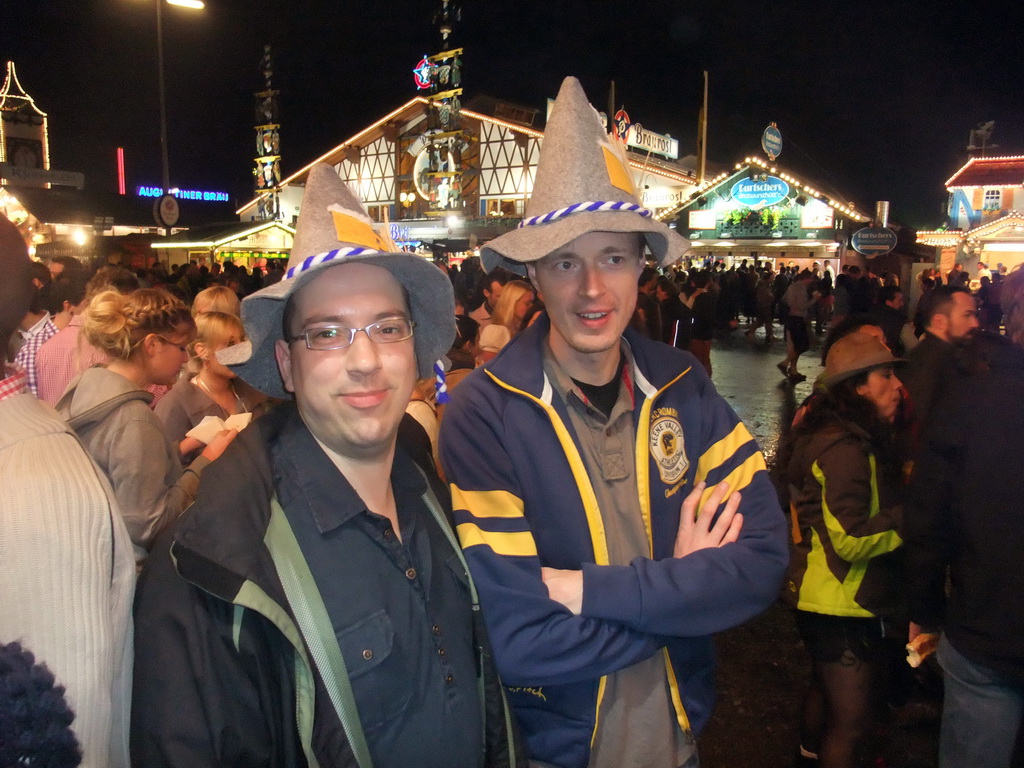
(637, 723)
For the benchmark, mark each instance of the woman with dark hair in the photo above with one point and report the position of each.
(845, 568)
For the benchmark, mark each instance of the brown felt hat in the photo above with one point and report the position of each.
(583, 185)
(855, 354)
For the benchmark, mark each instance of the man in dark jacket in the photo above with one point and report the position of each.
(314, 607)
(950, 317)
(964, 513)
(888, 315)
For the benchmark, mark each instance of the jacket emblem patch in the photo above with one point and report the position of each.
(668, 448)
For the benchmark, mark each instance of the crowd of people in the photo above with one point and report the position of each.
(227, 540)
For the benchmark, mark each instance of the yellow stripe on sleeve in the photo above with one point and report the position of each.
(739, 478)
(487, 503)
(520, 544)
(723, 450)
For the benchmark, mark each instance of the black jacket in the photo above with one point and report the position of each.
(219, 661)
(933, 366)
(965, 512)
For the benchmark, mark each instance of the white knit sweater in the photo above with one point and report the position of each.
(68, 572)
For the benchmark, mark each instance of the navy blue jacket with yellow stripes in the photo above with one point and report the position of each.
(522, 500)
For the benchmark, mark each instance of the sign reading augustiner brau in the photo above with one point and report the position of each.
(760, 191)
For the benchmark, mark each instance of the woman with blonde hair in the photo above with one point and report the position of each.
(507, 320)
(513, 306)
(217, 298)
(210, 388)
(145, 334)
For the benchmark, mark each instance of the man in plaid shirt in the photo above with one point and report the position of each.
(36, 327)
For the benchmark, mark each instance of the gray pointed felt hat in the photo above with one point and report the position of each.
(333, 230)
(583, 185)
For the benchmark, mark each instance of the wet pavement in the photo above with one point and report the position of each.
(745, 373)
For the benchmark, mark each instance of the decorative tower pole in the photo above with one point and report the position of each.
(24, 135)
(440, 76)
(267, 173)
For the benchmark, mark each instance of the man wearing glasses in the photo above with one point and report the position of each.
(314, 607)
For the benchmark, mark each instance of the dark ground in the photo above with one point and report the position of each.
(763, 670)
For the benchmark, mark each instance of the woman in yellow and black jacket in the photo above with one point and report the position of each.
(845, 567)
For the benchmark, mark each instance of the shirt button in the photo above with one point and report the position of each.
(442, 652)
(367, 654)
(410, 574)
(436, 629)
(449, 679)
(388, 533)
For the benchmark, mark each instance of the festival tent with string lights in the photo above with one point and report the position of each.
(986, 215)
(245, 243)
(758, 211)
(387, 163)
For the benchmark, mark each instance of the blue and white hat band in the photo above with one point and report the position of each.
(320, 258)
(588, 207)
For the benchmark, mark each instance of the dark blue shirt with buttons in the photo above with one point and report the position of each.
(400, 608)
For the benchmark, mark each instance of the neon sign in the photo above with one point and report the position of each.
(185, 194)
(421, 74)
(760, 192)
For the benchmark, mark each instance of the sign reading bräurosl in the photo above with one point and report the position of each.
(649, 141)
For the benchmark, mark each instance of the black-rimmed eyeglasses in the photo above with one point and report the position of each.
(325, 337)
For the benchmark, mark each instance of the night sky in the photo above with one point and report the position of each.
(873, 99)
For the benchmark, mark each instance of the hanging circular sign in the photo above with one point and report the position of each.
(621, 125)
(166, 211)
(771, 141)
(421, 74)
(760, 191)
(873, 241)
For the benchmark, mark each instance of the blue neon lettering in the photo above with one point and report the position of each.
(184, 194)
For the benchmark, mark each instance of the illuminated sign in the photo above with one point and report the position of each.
(661, 197)
(760, 191)
(873, 241)
(771, 141)
(702, 220)
(17, 173)
(421, 75)
(621, 125)
(816, 215)
(398, 234)
(186, 194)
(649, 141)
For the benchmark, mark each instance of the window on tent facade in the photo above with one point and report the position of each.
(504, 207)
(993, 200)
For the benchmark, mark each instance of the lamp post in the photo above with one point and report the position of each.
(166, 173)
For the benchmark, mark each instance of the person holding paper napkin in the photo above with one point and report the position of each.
(144, 333)
(204, 403)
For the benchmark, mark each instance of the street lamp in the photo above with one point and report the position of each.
(195, 5)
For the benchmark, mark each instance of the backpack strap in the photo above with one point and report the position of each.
(311, 615)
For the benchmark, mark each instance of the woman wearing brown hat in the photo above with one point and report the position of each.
(844, 571)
